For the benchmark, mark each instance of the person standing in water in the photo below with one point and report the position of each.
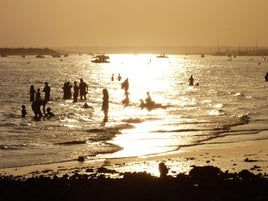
(83, 87)
(105, 104)
(23, 111)
(36, 107)
(119, 77)
(47, 92)
(49, 113)
(32, 93)
(191, 81)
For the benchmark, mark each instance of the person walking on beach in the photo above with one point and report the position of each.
(23, 111)
(83, 87)
(76, 92)
(47, 91)
(105, 104)
(32, 93)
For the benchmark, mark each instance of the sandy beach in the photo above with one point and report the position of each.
(232, 157)
(212, 172)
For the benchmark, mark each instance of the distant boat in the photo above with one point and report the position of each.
(162, 56)
(3, 55)
(40, 56)
(202, 55)
(101, 59)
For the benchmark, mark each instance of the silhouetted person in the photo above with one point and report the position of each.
(149, 104)
(76, 91)
(83, 87)
(112, 78)
(163, 169)
(105, 104)
(191, 81)
(148, 100)
(49, 113)
(32, 93)
(266, 77)
(38, 94)
(67, 90)
(23, 111)
(125, 85)
(142, 104)
(36, 107)
(119, 77)
(47, 91)
(126, 100)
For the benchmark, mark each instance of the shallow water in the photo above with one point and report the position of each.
(229, 105)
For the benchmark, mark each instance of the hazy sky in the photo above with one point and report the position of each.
(48, 23)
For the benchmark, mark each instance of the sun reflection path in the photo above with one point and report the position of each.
(146, 72)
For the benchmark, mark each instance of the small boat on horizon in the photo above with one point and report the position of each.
(101, 59)
(162, 56)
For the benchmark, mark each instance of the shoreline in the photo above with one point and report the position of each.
(231, 157)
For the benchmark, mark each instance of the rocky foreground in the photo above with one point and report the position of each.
(203, 183)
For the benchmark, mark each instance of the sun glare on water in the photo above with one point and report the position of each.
(146, 73)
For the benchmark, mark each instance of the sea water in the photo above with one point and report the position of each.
(229, 105)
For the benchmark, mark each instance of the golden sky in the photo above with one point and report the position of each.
(50, 23)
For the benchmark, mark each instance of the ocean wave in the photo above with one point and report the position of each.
(6, 147)
(11, 147)
(180, 130)
(74, 142)
(233, 121)
(239, 120)
(111, 130)
(131, 120)
(9, 124)
(223, 126)
(239, 94)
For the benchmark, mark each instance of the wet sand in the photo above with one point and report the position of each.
(232, 157)
(217, 161)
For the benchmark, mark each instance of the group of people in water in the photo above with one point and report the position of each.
(37, 102)
(81, 89)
